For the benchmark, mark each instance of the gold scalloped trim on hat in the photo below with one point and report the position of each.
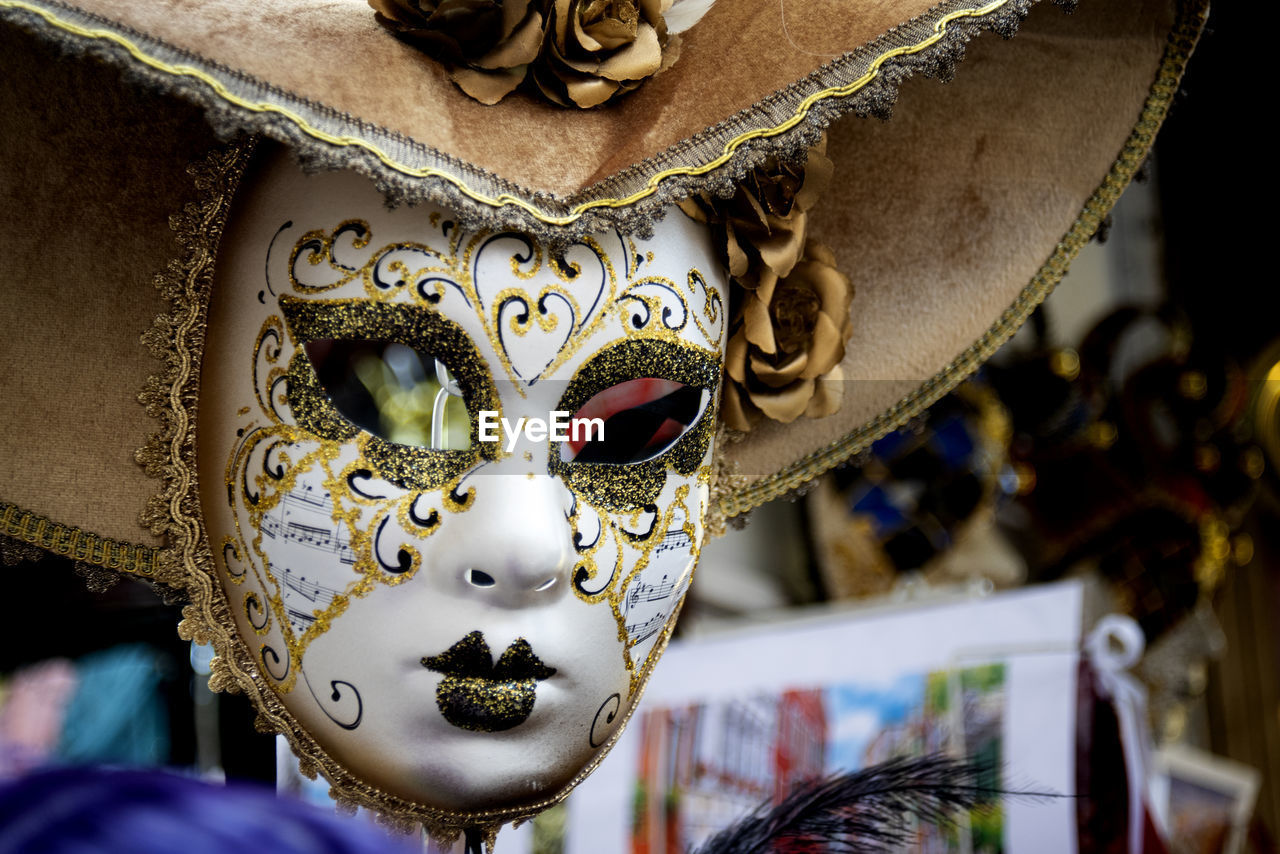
(32, 529)
(731, 499)
(782, 124)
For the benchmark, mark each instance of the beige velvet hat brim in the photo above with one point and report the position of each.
(953, 219)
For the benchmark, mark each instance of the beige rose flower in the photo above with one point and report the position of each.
(760, 229)
(487, 45)
(786, 344)
(595, 50)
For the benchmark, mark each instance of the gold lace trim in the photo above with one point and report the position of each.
(735, 500)
(32, 529)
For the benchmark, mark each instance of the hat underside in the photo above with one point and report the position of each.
(965, 208)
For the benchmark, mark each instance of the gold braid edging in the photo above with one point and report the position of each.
(735, 500)
(32, 529)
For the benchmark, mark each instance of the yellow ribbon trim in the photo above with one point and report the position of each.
(505, 199)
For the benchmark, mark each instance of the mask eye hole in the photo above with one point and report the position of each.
(642, 418)
(477, 578)
(393, 391)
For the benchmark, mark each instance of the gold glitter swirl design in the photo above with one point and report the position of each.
(253, 605)
(712, 307)
(318, 247)
(521, 325)
(424, 274)
(659, 308)
(587, 583)
(618, 591)
(584, 319)
(613, 546)
(257, 495)
(266, 370)
(619, 497)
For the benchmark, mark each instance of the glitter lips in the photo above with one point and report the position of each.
(477, 694)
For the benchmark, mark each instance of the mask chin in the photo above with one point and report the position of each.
(451, 626)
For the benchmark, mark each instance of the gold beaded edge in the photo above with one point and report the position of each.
(68, 541)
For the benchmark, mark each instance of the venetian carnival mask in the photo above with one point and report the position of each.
(433, 479)
(454, 481)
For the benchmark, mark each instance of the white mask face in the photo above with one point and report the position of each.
(462, 623)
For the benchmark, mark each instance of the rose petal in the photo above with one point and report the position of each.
(816, 250)
(777, 376)
(826, 347)
(590, 92)
(784, 244)
(765, 284)
(637, 60)
(833, 288)
(738, 260)
(608, 33)
(757, 325)
(746, 208)
(693, 210)
(828, 394)
(520, 49)
(488, 87)
(735, 357)
(818, 170)
(737, 412)
(560, 24)
(787, 404)
(513, 15)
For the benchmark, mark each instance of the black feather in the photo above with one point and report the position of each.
(863, 812)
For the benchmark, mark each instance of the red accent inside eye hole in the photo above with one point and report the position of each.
(628, 395)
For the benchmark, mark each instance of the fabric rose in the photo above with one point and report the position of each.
(760, 229)
(487, 45)
(595, 50)
(790, 316)
(787, 342)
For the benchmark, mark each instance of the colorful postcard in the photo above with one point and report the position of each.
(735, 720)
(703, 766)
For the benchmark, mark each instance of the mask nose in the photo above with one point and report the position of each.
(524, 580)
(514, 547)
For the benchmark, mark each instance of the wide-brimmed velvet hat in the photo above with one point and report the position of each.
(947, 160)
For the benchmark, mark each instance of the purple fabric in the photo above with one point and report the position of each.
(77, 810)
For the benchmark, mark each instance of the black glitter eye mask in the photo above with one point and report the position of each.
(674, 382)
(393, 391)
(637, 420)
(403, 375)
